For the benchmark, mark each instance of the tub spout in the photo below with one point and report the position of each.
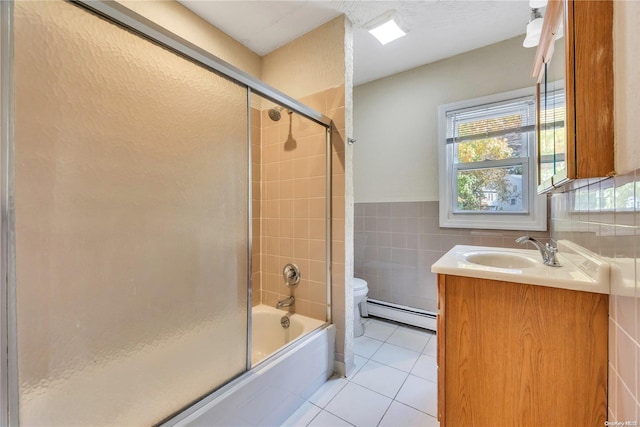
(287, 302)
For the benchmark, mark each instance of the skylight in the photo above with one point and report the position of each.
(386, 28)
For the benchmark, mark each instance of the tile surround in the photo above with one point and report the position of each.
(396, 243)
(293, 194)
(289, 205)
(604, 217)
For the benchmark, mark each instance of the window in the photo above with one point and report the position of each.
(488, 161)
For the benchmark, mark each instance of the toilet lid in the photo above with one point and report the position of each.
(359, 284)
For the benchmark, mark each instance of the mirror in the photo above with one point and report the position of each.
(552, 139)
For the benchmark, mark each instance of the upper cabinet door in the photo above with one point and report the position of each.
(574, 70)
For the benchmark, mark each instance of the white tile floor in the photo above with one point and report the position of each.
(394, 383)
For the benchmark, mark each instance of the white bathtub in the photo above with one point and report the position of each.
(268, 335)
(270, 392)
(265, 395)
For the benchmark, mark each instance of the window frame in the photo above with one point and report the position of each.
(533, 220)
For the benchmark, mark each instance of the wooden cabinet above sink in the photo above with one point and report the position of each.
(575, 106)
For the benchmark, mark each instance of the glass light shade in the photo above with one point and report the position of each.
(537, 4)
(387, 32)
(534, 29)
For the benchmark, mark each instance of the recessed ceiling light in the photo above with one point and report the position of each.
(386, 28)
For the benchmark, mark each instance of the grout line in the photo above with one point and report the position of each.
(367, 359)
(431, 336)
(385, 412)
(618, 326)
(624, 384)
(315, 416)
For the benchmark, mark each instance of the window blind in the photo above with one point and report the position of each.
(515, 116)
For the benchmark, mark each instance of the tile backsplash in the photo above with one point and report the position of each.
(397, 242)
(604, 217)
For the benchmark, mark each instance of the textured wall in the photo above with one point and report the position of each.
(181, 21)
(310, 64)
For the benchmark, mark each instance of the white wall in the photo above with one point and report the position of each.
(396, 118)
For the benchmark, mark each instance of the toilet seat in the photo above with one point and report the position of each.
(360, 291)
(359, 284)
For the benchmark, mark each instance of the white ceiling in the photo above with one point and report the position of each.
(437, 28)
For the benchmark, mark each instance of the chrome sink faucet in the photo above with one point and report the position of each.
(547, 250)
(287, 302)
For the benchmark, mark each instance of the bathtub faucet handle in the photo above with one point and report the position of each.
(291, 274)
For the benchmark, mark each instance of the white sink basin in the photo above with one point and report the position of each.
(582, 272)
(500, 260)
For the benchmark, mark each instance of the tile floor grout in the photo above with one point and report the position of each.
(352, 401)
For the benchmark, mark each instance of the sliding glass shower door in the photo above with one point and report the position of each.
(131, 207)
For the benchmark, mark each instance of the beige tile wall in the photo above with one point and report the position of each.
(604, 217)
(397, 242)
(256, 197)
(292, 206)
(293, 210)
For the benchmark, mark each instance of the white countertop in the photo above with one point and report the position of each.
(580, 272)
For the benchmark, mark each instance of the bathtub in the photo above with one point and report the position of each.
(268, 335)
(266, 395)
(281, 379)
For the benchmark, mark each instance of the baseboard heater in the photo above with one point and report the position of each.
(400, 313)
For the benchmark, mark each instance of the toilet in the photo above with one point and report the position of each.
(360, 290)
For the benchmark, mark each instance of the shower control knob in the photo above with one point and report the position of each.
(291, 274)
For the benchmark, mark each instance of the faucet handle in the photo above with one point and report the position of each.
(551, 260)
(291, 274)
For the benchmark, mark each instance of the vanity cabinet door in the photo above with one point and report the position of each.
(521, 355)
(574, 70)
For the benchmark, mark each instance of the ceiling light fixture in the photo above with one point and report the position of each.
(386, 28)
(537, 4)
(534, 29)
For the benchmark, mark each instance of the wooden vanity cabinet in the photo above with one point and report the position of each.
(575, 131)
(520, 355)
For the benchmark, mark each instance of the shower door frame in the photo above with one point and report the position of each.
(8, 345)
(126, 18)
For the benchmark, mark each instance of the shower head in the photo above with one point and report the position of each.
(274, 114)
